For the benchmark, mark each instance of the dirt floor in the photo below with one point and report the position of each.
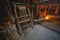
(40, 33)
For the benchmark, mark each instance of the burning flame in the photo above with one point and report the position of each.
(47, 17)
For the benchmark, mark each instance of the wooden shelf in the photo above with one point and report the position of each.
(24, 21)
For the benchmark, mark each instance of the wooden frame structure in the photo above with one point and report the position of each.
(22, 16)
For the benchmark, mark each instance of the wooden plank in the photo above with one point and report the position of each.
(24, 21)
(20, 29)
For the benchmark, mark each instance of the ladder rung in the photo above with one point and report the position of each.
(22, 16)
(25, 21)
(27, 25)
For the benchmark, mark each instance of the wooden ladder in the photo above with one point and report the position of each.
(22, 16)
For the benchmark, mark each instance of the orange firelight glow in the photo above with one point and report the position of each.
(47, 18)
